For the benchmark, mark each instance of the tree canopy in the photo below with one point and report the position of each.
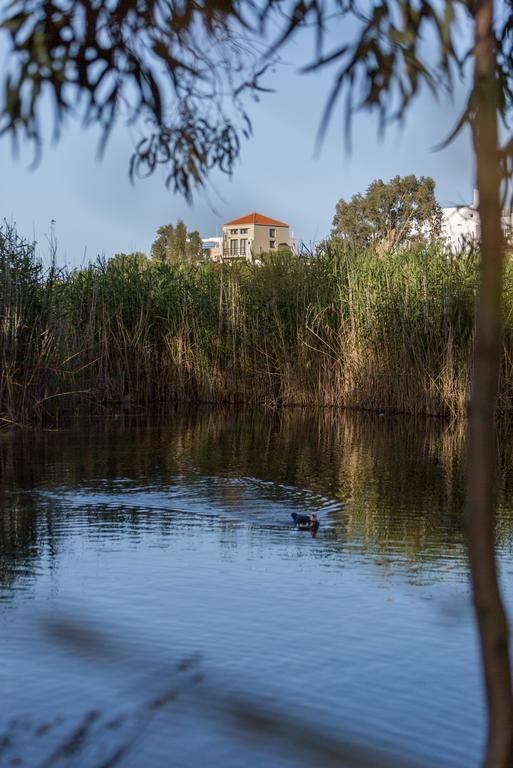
(389, 213)
(174, 243)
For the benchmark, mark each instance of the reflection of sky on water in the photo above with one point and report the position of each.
(177, 539)
(241, 499)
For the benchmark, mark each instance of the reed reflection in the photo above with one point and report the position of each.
(395, 483)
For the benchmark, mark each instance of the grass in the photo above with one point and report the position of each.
(340, 328)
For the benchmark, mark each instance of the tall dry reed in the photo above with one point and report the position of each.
(340, 328)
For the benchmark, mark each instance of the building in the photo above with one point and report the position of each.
(254, 234)
(212, 248)
(461, 225)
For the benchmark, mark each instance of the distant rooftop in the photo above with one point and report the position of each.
(256, 218)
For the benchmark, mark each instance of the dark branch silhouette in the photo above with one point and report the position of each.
(178, 72)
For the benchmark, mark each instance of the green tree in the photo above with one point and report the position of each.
(135, 258)
(195, 245)
(161, 244)
(175, 244)
(392, 213)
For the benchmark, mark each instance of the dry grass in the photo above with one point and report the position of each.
(337, 329)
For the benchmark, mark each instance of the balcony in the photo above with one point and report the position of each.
(236, 253)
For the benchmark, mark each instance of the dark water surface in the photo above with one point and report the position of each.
(152, 588)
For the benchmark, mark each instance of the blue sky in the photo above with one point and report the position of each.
(98, 211)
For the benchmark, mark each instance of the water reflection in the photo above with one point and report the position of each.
(180, 534)
(388, 487)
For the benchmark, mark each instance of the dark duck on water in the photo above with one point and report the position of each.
(305, 522)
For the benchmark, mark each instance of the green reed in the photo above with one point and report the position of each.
(340, 328)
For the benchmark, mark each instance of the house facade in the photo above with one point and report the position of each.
(249, 236)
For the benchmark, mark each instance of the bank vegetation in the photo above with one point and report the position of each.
(341, 327)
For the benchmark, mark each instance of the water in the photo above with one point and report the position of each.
(153, 592)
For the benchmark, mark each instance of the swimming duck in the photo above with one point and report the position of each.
(305, 522)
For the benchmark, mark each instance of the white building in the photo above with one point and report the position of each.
(212, 248)
(461, 225)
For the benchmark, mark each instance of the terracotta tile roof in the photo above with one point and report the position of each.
(256, 218)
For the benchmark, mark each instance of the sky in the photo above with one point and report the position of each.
(96, 210)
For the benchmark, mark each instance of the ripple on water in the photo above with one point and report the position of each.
(359, 630)
(243, 500)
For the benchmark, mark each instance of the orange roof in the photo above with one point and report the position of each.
(256, 218)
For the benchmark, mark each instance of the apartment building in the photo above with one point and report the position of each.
(249, 236)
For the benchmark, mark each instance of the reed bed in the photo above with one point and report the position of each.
(339, 328)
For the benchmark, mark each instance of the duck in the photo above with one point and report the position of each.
(305, 522)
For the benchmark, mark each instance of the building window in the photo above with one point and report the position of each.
(233, 247)
(243, 246)
(233, 231)
(244, 231)
(272, 243)
(272, 233)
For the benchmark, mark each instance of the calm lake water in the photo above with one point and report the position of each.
(156, 605)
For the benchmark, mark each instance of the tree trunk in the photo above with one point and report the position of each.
(481, 458)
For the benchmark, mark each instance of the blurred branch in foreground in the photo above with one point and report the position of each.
(206, 694)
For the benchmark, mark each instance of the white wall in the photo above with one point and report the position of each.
(460, 227)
